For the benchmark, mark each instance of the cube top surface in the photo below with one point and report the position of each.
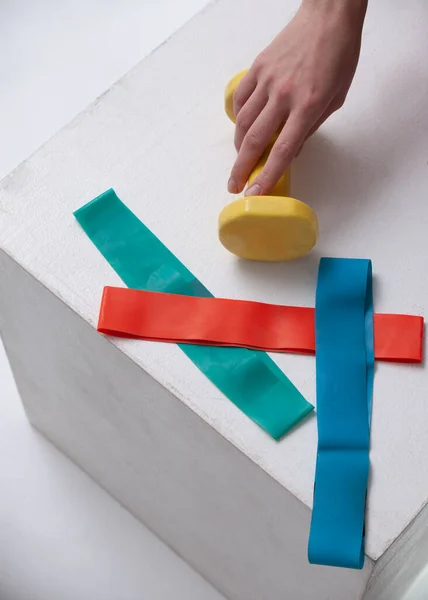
(160, 138)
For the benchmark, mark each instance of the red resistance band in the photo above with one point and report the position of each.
(163, 317)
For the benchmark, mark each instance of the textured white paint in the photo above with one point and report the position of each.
(55, 521)
(160, 138)
(230, 520)
(64, 538)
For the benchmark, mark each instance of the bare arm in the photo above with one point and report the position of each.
(294, 85)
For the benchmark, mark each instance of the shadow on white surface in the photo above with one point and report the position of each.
(63, 537)
(419, 589)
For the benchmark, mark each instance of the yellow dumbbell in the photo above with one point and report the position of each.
(269, 228)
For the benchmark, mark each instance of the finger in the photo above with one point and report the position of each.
(334, 105)
(284, 150)
(317, 125)
(246, 87)
(332, 108)
(248, 114)
(254, 144)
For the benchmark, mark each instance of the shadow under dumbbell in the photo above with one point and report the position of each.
(272, 277)
(341, 176)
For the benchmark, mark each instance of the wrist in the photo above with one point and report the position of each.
(352, 9)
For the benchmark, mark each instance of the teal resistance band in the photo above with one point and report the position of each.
(345, 364)
(250, 379)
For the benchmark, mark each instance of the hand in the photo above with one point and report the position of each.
(294, 85)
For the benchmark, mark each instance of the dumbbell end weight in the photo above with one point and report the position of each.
(268, 228)
(228, 94)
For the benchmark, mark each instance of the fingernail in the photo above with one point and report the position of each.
(231, 186)
(253, 190)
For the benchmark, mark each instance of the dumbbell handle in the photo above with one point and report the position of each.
(282, 188)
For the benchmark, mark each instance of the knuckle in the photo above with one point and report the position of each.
(259, 63)
(283, 89)
(265, 181)
(283, 150)
(311, 102)
(237, 101)
(243, 120)
(269, 78)
(237, 107)
(338, 103)
(253, 140)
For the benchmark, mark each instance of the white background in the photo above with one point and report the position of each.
(61, 536)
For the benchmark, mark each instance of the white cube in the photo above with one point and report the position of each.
(138, 416)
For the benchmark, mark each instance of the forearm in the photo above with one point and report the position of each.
(355, 10)
(293, 86)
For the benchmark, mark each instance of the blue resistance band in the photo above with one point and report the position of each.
(249, 378)
(344, 377)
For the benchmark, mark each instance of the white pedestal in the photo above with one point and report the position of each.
(139, 417)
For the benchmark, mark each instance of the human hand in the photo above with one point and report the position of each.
(293, 86)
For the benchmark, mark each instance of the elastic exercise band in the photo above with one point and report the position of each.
(215, 321)
(250, 379)
(344, 363)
